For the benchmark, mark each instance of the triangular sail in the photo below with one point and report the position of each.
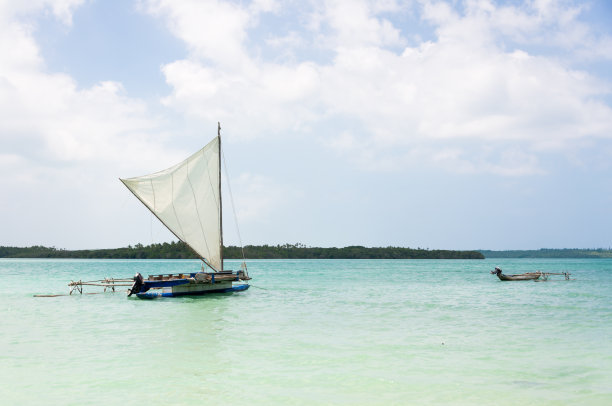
(186, 199)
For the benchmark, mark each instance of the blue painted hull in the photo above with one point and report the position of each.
(154, 295)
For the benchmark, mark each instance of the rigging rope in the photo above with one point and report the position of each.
(229, 188)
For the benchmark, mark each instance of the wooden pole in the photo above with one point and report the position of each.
(220, 202)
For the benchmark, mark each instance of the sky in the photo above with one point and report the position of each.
(458, 124)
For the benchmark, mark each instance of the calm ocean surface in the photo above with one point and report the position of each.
(311, 332)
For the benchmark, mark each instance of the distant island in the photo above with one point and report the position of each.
(179, 250)
(550, 253)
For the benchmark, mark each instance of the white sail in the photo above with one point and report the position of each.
(186, 198)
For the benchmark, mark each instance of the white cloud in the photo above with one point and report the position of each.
(261, 196)
(261, 6)
(354, 25)
(213, 30)
(508, 162)
(470, 82)
(290, 41)
(64, 146)
(266, 98)
(61, 9)
(49, 113)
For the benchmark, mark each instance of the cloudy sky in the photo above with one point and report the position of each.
(457, 124)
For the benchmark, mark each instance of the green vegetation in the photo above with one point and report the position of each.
(300, 251)
(179, 250)
(550, 253)
(173, 250)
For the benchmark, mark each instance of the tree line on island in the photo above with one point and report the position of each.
(551, 253)
(180, 250)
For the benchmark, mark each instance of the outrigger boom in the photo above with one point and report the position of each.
(545, 276)
(107, 283)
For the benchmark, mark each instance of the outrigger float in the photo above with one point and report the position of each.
(537, 276)
(186, 198)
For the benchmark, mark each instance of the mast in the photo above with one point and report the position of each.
(220, 203)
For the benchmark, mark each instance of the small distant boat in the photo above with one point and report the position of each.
(186, 198)
(528, 276)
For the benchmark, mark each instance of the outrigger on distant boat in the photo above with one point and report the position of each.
(528, 276)
(186, 198)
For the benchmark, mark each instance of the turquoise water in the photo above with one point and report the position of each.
(322, 332)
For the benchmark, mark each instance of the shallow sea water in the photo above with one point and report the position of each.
(311, 332)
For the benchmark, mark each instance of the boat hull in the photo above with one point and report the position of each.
(522, 277)
(194, 290)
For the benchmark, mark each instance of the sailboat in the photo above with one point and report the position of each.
(186, 198)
